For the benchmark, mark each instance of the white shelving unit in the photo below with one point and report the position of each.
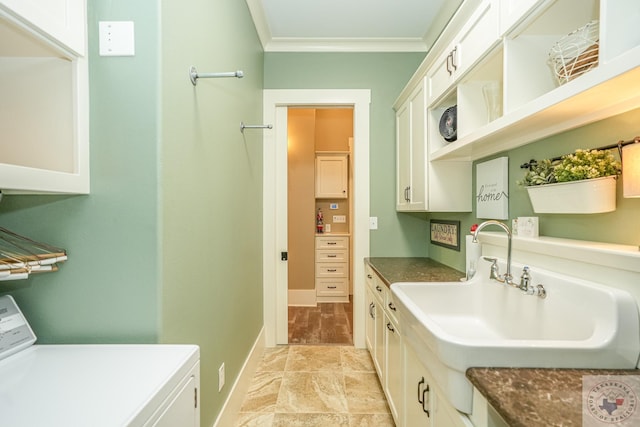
(45, 94)
(533, 105)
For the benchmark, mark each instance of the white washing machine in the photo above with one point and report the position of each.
(94, 385)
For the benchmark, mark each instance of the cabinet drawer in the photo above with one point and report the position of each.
(332, 242)
(338, 255)
(332, 270)
(332, 287)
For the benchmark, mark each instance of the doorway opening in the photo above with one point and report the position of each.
(319, 212)
(277, 102)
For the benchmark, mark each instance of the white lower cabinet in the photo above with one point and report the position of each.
(393, 383)
(415, 400)
(424, 402)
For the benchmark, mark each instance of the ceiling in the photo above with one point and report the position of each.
(350, 25)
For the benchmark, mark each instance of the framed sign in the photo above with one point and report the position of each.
(492, 189)
(445, 233)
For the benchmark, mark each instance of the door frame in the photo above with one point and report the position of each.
(274, 271)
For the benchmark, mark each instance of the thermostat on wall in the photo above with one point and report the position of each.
(15, 332)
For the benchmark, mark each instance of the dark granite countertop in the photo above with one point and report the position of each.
(531, 397)
(523, 397)
(393, 270)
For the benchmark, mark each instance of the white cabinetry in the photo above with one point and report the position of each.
(413, 396)
(509, 43)
(425, 404)
(478, 34)
(45, 92)
(332, 175)
(385, 342)
(421, 184)
(332, 268)
(394, 372)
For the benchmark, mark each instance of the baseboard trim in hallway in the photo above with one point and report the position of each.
(229, 412)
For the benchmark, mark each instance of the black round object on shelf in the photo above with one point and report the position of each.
(449, 124)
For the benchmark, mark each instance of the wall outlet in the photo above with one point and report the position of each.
(339, 218)
(221, 377)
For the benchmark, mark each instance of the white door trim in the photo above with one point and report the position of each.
(275, 103)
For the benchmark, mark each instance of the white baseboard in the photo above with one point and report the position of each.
(302, 298)
(231, 408)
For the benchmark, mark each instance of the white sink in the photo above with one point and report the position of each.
(483, 323)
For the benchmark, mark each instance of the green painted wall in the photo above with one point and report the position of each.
(621, 226)
(385, 74)
(167, 247)
(211, 174)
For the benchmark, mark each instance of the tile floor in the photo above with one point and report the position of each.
(312, 385)
(328, 323)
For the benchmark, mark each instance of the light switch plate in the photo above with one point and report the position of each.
(117, 38)
(373, 223)
(339, 218)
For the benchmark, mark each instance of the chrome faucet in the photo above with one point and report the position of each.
(507, 277)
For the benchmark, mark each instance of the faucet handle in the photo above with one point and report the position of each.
(525, 279)
(495, 274)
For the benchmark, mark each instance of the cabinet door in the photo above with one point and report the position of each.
(379, 349)
(394, 378)
(411, 154)
(440, 76)
(332, 174)
(511, 11)
(370, 323)
(417, 389)
(476, 37)
(403, 157)
(62, 20)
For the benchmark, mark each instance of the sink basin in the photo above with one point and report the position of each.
(482, 323)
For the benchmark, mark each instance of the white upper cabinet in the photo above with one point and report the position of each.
(530, 103)
(473, 40)
(332, 176)
(512, 11)
(61, 20)
(45, 97)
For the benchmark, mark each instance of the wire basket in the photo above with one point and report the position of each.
(575, 53)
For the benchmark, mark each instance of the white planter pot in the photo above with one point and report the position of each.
(576, 197)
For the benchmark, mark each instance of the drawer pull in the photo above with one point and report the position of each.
(389, 327)
(332, 256)
(372, 307)
(420, 396)
(369, 276)
(378, 288)
(425, 401)
(331, 270)
(331, 287)
(332, 243)
(392, 307)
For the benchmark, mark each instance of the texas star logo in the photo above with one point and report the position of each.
(612, 401)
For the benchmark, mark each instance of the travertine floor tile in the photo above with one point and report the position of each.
(314, 358)
(311, 420)
(274, 359)
(252, 419)
(354, 359)
(263, 392)
(364, 394)
(312, 392)
(371, 420)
